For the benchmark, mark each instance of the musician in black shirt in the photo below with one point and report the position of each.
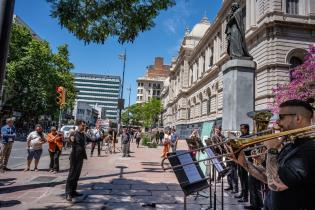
(78, 140)
(290, 169)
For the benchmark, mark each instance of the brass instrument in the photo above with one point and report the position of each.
(239, 144)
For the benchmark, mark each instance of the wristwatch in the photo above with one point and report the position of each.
(273, 151)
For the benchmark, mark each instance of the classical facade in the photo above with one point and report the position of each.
(150, 85)
(278, 33)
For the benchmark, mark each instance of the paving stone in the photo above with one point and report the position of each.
(107, 186)
(148, 187)
(131, 192)
(85, 206)
(177, 206)
(96, 192)
(174, 187)
(107, 199)
(126, 206)
(168, 193)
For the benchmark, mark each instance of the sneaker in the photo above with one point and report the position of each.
(27, 169)
(51, 170)
(36, 169)
(243, 200)
(228, 189)
(54, 172)
(238, 196)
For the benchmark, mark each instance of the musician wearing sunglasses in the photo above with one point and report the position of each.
(290, 169)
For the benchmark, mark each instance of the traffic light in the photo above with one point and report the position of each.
(61, 95)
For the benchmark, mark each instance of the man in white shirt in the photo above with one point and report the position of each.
(35, 140)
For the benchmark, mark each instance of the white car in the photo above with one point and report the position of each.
(66, 130)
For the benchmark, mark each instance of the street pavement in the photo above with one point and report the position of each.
(107, 182)
(19, 154)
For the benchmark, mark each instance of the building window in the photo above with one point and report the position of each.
(294, 62)
(188, 113)
(158, 86)
(157, 92)
(292, 7)
(149, 84)
(80, 111)
(154, 92)
(149, 92)
(149, 98)
(208, 106)
(140, 98)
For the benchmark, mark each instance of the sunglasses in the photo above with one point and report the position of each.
(282, 116)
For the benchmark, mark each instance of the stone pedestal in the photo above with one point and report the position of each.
(238, 93)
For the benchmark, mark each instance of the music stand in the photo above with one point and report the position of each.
(190, 176)
(221, 170)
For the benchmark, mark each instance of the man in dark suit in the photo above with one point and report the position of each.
(78, 140)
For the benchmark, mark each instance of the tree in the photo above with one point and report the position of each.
(135, 115)
(302, 84)
(33, 73)
(151, 111)
(95, 21)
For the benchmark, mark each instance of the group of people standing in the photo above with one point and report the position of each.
(34, 142)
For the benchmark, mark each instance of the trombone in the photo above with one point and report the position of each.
(238, 144)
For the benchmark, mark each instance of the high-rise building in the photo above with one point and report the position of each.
(150, 85)
(99, 91)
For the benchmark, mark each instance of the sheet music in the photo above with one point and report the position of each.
(191, 170)
(214, 161)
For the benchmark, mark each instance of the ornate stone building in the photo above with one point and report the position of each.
(278, 33)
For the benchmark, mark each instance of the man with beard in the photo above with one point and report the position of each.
(78, 140)
(290, 171)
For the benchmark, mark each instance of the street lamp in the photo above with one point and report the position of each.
(129, 89)
(121, 103)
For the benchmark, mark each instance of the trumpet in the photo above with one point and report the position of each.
(238, 144)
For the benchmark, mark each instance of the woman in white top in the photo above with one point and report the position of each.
(166, 143)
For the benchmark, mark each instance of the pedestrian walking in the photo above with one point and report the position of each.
(96, 136)
(161, 137)
(78, 140)
(138, 137)
(166, 144)
(35, 140)
(8, 134)
(55, 142)
(174, 139)
(125, 141)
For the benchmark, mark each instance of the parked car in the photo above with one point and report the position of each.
(65, 130)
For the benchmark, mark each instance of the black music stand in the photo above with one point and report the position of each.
(190, 176)
(222, 171)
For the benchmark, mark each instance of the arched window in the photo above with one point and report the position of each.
(292, 7)
(294, 62)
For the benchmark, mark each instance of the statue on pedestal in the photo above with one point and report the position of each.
(235, 32)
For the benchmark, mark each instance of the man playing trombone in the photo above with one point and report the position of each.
(290, 168)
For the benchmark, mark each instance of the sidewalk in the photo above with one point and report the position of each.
(107, 182)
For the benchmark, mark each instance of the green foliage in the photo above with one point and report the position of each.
(151, 111)
(95, 21)
(34, 72)
(145, 140)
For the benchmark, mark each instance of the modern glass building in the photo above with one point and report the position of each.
(99, 91)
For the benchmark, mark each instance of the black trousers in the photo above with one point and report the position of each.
(74, 175)
(255, 190)
(243, 175)
(232, 176)
(98, 147)
(54, 159)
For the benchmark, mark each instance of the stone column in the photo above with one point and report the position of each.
(238, 93)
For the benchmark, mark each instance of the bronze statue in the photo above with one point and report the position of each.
(235, 31)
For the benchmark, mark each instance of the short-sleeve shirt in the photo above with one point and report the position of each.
(35, 140)
(297, 171)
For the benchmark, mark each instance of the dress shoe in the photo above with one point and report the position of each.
(229, 188)
(238, 196)
(234, 191)
(68, 197)
(242, 200)
(76, 194)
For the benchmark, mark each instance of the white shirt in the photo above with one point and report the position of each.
(35, 140)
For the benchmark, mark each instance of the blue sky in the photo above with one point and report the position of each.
(163, 40)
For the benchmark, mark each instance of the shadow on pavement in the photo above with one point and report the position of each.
(9, 203)
(8, 181)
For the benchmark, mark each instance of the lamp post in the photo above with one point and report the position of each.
(129, 89)
(6, 16)
(121, 105)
